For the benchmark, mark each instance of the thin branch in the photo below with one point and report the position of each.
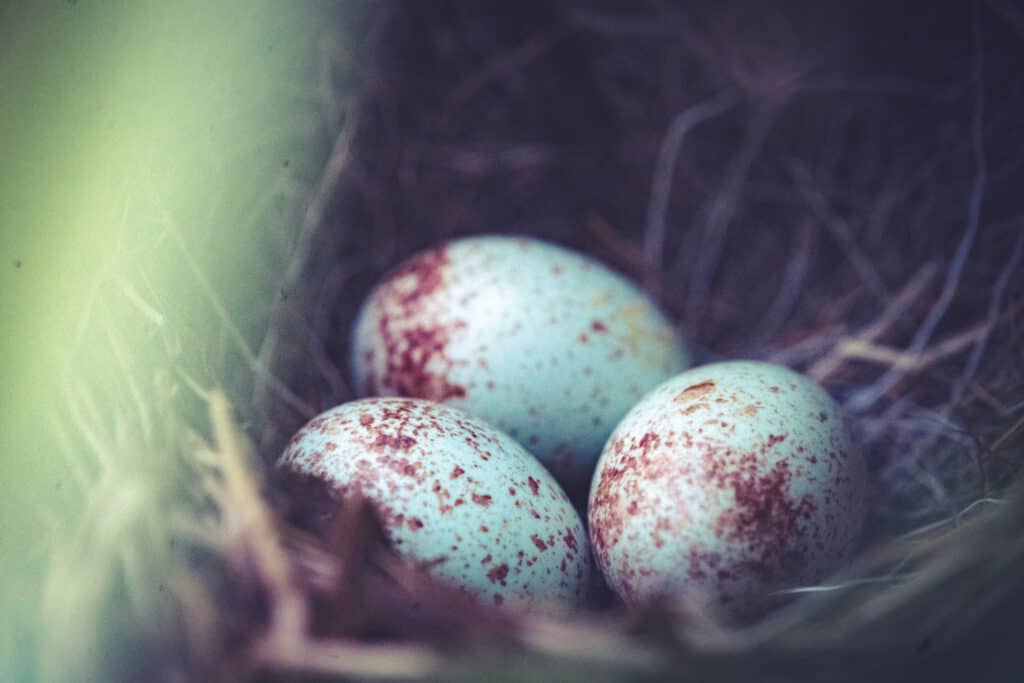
(865, 398)
(343, 658)
(792, 285)
(830, 364)
(259, 368)
(840, 231)
(974, 360)
(326, 365)
(860, 349)
(506, 63)
(255, 526)
(724, 205)
(337, 161)
(664, 168)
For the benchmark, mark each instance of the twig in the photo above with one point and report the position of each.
(76, 399)
(991, 321)
(255, 529)
(286, 643)
(830, 364)
(148, 310)
(612, 25)
(792, 285)
(627, 252)
(326, 366)
(664, 168)
(590, 642)
(724, 206)
(1013, 15)
(259, 368)
(340, 658)
(868, 396)
(840, 231)
(974, 360)
(860, 349)
(1007, 435)
(506, 63)
(846, 585)
(337, 161)
(955, 519)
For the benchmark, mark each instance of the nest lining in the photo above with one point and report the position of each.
(785, 187)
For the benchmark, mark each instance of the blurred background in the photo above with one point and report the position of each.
(156, 157)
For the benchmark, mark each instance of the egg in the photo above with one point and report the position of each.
(724, 485)
(544, 343)
(461, 499)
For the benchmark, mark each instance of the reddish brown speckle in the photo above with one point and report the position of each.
(765, 518)
(648, 441)
(415, 342)
(399, 442)
(598, 326)
(769, 507)
(498, 574)
(534, 486)
(695, 561)
(695, 391)
(395, 480)
(661, 526)
(366, 420)
(570, 540)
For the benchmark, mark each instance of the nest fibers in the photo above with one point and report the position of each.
(832, 190)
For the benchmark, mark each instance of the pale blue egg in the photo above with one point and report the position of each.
(461, 499)
(724, 485)
(547, 344)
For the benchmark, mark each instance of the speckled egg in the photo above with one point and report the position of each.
(723, 485)
(544, 343)
(463, 500)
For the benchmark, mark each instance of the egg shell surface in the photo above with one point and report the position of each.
(461, 499)
(546, 344)
(724, 484)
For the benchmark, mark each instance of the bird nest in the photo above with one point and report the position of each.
(833, 189)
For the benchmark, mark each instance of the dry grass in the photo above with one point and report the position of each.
(792, 199)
